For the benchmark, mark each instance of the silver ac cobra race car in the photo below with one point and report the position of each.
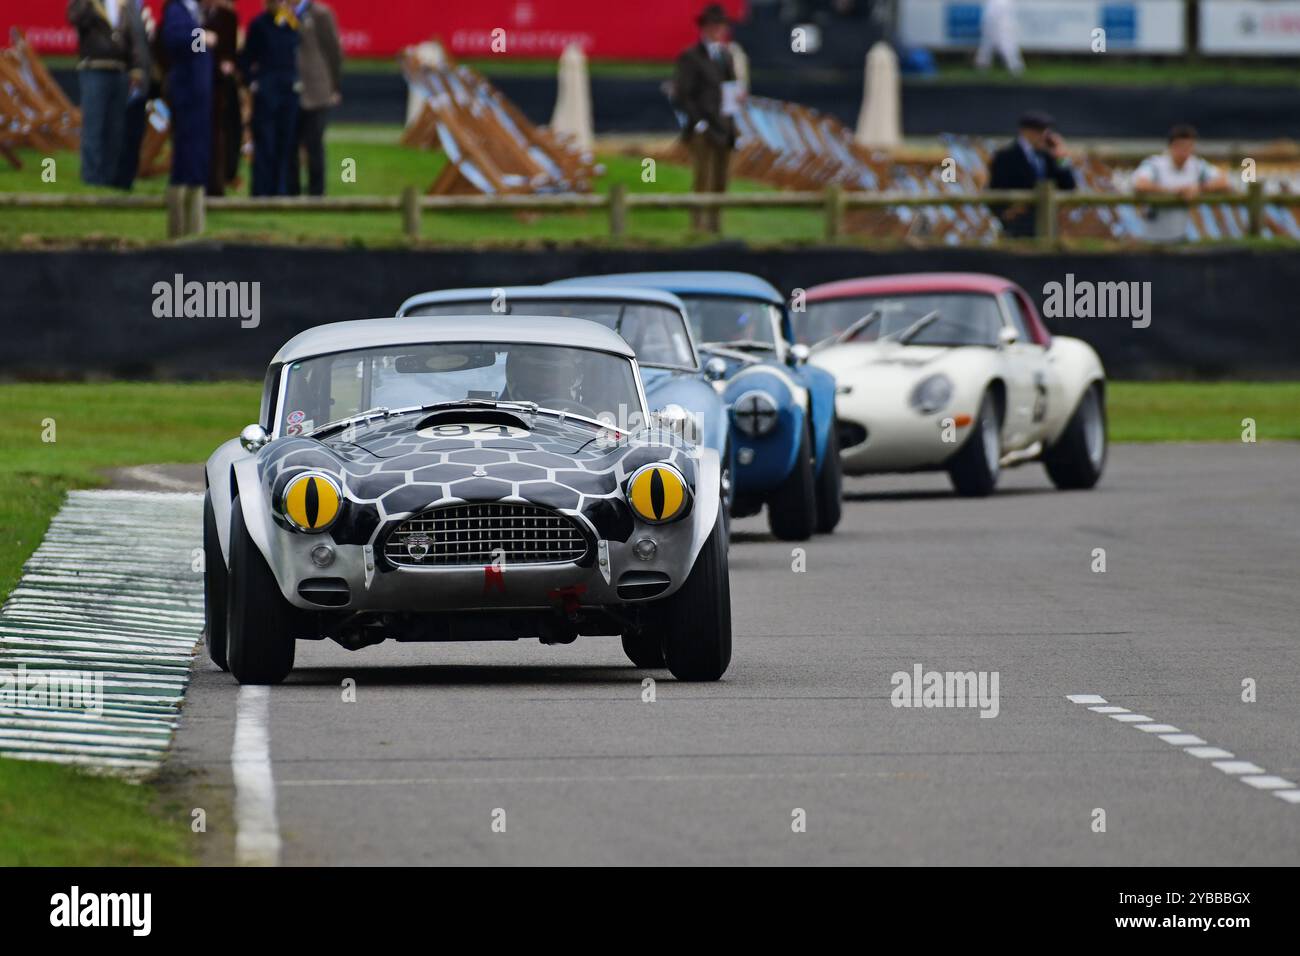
(451, 478)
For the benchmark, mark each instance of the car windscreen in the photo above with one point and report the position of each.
(656, 332)
(331, 387)
(724, 320)
(965, 318)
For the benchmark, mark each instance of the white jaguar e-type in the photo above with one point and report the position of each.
(955, 371)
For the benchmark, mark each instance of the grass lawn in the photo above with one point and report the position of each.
(1118, 70)
(1198, 411)
(55, 815)
(384, 168)
(1114, 69)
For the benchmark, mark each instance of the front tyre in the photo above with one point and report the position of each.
(260, 622)
(1078, 458)
(696, 620)
(830, 485)
(214, 588)
(974, 469)
(792, 508)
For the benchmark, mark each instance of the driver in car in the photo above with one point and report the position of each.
(551, 377)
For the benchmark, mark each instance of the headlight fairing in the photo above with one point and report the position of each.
(658, 493)
(312, 501)
(931, 394)
(755, 413)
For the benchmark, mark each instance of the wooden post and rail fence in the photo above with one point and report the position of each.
(187, 210)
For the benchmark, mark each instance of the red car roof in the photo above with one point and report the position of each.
(923, 282)
(910, 282)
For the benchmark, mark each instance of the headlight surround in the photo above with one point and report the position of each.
(931, 394)
(755, 413)
(658, 494)
(312, 501)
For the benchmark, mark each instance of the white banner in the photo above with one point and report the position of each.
(1250, 27)
(1053, 26)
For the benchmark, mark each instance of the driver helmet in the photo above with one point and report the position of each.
(543, 374)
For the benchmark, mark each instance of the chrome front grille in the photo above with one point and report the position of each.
(479, 534)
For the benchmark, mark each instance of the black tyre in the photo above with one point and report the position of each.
(830, 486)
(645, 649)
(792, 508)
(1079, 456)
(260, 622)
(975, 467)
(696, 620)
(214, 588)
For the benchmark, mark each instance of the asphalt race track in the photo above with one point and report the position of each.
(1199, 594)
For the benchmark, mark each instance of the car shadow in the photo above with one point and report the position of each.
(470, 675)
(941, 493)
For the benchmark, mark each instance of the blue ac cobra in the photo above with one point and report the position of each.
(782, 410)
(678, 385)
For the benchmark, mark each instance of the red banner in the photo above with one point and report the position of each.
(526, 29)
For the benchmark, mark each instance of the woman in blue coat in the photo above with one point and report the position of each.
(189, 90)
(269, 62)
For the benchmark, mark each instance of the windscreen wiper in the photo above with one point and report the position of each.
(916, 328)
(851, 332)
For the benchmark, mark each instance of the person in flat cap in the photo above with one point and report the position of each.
(1037, 153)
(706, 93)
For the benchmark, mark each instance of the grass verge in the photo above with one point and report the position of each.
(58, 816)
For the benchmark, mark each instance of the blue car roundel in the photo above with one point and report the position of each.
(781, 410)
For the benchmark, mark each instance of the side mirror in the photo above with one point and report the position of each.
(715, 369)
(799, 353)
(253, 437)
(1007, 336)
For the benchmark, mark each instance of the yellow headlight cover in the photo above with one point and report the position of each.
(312, 501)
(658, 493)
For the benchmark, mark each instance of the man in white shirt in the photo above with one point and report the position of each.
(1178, 171)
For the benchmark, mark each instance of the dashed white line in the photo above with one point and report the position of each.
(1235, 767)
(1182, 740)
(1268, 783)
(1248, 773)
(257, 833)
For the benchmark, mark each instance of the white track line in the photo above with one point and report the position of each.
(257, 834)
(1248, 773)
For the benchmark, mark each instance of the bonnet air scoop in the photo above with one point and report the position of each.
(472, 416)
